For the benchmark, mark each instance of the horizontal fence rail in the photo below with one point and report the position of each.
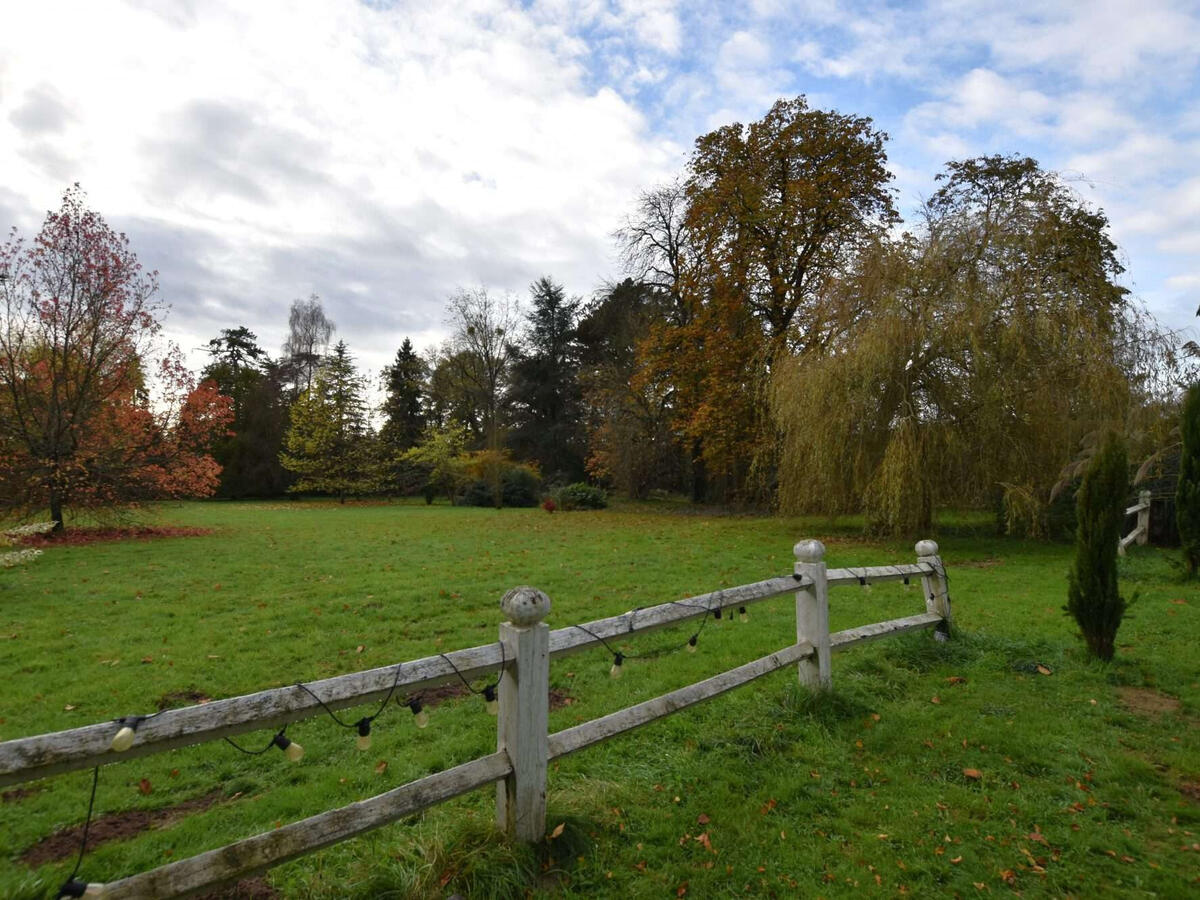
(520, 660)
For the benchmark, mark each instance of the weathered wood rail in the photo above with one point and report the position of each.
(524, 746)
(1141, 531)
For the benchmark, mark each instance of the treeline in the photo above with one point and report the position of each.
(777, 340)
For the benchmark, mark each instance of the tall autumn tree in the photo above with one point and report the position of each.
(328, 444)
(773, 214)
(544, 392)
(483, 345)
(93, 412)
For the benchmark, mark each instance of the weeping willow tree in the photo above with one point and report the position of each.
(988, 349)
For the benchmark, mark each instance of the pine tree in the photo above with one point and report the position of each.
(545, 393)
(1092, 593)
(1187, 494)
(328, 445)
(403, 410)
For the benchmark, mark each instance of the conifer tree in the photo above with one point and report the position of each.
(328, 445)
(1187, 494)
(1092, 593)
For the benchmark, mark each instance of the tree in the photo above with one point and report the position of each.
(544, 393)
(1187, 494)
(403, 409)
(484, 328)
(632, 444)
(988, 346)
(93, 412)
(309, 332)
(328, 444)
(1093, 597)
(442, 454)
(774, 213)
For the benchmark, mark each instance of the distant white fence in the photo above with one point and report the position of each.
(524, 746)
(1141, 531)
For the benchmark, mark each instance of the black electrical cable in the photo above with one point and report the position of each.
(467, 684)
(87, 824)
(270, 744)
(372, 718)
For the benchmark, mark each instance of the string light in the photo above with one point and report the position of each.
(490, 702)
(615, 671)
(74, 888)
(419, 715)
(124, 737)
(691, 644)
(293, 751)
(363, 741)
(743, 616)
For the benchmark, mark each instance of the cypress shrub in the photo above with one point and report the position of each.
(1092, 595)
(1187, 494)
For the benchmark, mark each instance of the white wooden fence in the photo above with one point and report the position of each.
(524, 746)
(1141, 531)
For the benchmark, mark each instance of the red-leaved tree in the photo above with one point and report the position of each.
(93, 413)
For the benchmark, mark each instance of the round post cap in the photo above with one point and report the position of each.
(525, 606)
(927, 548)
(811, 551)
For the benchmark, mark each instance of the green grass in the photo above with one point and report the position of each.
(795, 795)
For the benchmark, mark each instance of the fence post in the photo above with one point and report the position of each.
(812, 615)
(524, 695)
(1143, 522)
(935, 588)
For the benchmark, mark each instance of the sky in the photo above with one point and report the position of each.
(384, 154)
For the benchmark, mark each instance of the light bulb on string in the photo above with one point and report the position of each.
(615, 671)
(691, 644)
(74, 888)
(743, 616)
(124, 737)
(363, 741)
(862, 582)
(293, 751)
(717, 613)
(490, 702)
(419, 715)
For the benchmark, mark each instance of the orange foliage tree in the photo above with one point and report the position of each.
(92, 414)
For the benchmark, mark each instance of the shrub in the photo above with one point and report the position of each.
(519, 487)
(1187, 494)
(581, 496)
(1092, 595)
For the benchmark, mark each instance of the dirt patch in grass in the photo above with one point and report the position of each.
(1147, 701)
(431, 697)
(76, 536)
(16, 795)
(190, 697)
(1190, 788)
(560, 698)
(64, 844)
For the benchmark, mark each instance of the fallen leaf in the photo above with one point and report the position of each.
(381, 767)
(935, 699)
(147, 659)
(1044, 670)
(558, 830)
(702, 819)
(681, 890)
(359, 649)
(973, 774)
(144, 786)
(69, 707)
(1038, 837)
(955, 679)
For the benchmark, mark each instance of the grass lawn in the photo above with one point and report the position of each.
(947, 769)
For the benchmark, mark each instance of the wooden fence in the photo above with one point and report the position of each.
(1141, 531)
(524, 650)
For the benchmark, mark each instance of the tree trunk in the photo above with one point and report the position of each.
(56, 510)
